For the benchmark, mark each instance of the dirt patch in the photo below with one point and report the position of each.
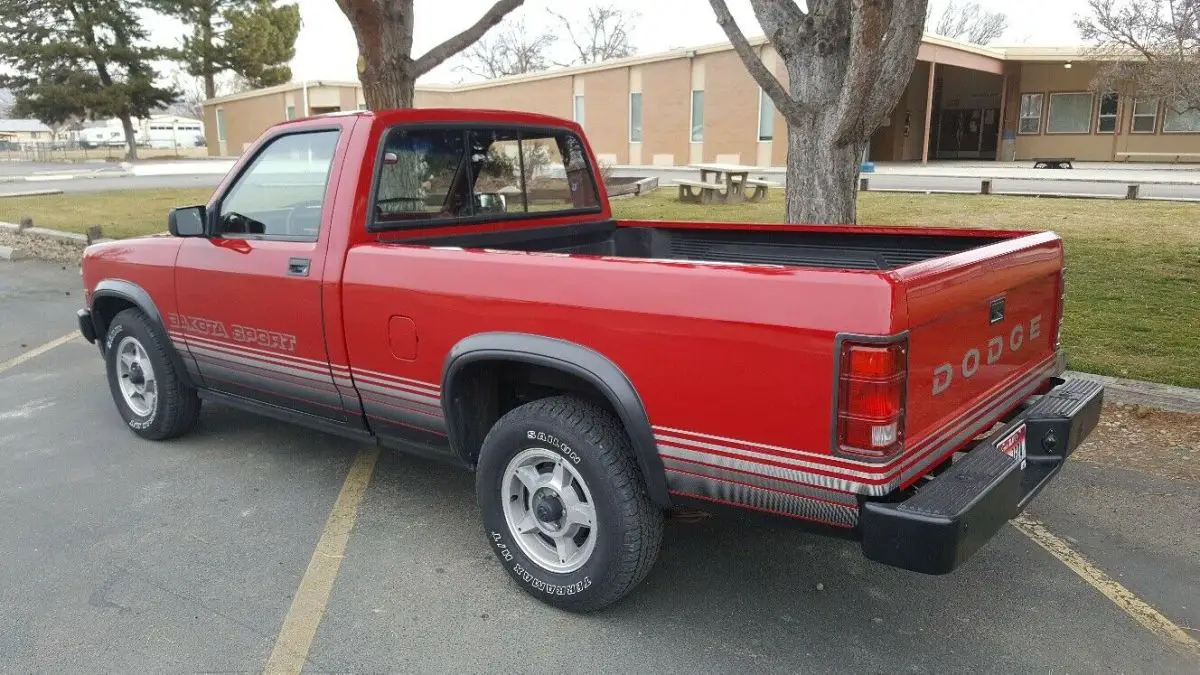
(43, 248)
(1165, 444)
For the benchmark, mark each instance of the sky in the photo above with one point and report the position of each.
(326, 48)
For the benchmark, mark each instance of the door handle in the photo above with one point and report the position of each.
(298, 267)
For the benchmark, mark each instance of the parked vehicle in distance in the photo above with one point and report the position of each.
(453, 283)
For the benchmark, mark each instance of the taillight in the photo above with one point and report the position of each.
(871, 393)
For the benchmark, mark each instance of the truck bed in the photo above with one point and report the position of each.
(836, 248)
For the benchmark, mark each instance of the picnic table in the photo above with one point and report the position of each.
(734, 178)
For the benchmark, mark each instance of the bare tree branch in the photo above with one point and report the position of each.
(1150, 48)
(970, 22)
(514, 50)
(606, 34)
(434, 57)
(765, 78)
(899, 53)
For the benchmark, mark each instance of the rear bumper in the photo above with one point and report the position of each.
(952, 516)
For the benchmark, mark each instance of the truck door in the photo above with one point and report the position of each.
(249, 296)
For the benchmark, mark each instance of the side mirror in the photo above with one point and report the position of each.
(187, 221)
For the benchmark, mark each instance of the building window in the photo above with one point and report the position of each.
(635, 117)
(766, 116)
(1106, 119)
(1070, 113)
(220, 124)
(291, 112)
(362, 106)
(1145, 116)
(1179, 118)
(697, 115)
(579, 110)
(1031, 114)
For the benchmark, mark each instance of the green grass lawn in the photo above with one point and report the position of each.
(1133, 267)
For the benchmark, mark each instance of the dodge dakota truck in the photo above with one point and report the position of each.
(452, 283)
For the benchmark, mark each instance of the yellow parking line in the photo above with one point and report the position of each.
(308, 606)
(37, 351)
(1122, 597)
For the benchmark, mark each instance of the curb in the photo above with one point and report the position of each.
(10, 253)
(1150, 394)
(30, 193)
(75, 238)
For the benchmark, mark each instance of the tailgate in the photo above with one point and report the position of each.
(983, 327)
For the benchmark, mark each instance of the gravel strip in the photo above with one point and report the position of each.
(41, 248)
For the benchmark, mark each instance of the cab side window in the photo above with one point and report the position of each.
(282, 192)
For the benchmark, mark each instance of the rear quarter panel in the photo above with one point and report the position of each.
(738, 351)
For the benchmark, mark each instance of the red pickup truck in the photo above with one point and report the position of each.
(452, 283)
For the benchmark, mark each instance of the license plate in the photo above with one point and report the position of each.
(1013, 444)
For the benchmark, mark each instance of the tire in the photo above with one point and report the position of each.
(588, 447)
(174, 406)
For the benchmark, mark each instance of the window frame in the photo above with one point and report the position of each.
(466, 128)
(213, 212)
(763, 96)
(1090, 118)
(1156, 116)
(289, 112)
(578, 109)
(639, 127)
(219, 114)
(1166, 107)
(1041, 116)
(692, 116)
(1116, 116)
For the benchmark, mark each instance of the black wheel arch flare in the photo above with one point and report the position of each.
(132, 294)
(572, 359)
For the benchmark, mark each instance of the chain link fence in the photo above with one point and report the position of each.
(74, 151)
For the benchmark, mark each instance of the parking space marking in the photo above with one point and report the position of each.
(308, 606)
(37, 351)
(1122, 597)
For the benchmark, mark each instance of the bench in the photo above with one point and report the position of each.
(1175, 156)
(760, 188)
(698, 192)
(1053, 162)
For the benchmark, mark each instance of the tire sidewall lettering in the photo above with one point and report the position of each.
(523, 574)
(555, 443)
(134, 421)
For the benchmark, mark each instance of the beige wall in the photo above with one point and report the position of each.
(666, 110)
(245, 120)
(730, 108)
(1094, 146)
(606, 112)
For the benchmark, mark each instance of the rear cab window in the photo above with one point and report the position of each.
(434, 175)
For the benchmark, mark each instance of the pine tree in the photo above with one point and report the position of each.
(253, 38)
(77, 59)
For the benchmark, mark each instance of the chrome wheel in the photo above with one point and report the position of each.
(135, 375)
(549, 510)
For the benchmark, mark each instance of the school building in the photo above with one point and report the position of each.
(964, 101)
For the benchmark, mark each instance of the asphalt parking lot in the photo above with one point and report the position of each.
(129, 556)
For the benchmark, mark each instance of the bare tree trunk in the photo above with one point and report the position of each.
(384, 30)
(822, 176)
(388, 87)
(130, 138)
